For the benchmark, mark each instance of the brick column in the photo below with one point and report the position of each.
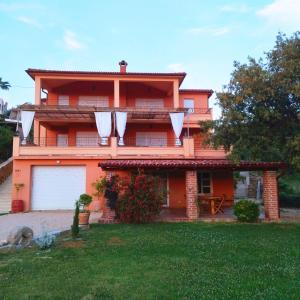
(108, 214)
(191, 194)
(270, 195)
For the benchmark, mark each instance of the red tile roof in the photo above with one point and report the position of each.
(33, 72)
(196, 91)
(190, 164)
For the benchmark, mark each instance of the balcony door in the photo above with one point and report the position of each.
(151, 139)
(87, 139)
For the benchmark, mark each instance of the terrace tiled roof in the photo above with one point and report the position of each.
(189, 164)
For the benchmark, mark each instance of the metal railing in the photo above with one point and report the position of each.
(149, 142)
(85, 142)
(6, 169)
(92, 142)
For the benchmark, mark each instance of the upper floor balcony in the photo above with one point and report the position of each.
(86, 146)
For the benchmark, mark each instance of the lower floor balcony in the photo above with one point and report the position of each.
(143, 145)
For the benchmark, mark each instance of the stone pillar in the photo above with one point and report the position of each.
(191, 194)
(176, 93)
(270, 195)
(116, 93)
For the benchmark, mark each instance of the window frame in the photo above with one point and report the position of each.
(199, 173)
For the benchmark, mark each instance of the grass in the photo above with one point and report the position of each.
(160, 261)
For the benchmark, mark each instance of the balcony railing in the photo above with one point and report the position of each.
(92, 142)
(85, 141)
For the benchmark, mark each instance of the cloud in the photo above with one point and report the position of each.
(284, 13)
(71, 42)
(234, 8)
(217, 31)
(29, 21)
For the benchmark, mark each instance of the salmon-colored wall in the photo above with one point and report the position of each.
(177, 190)
(200, 100)
(128, 93)
(222, 182)
(22, 173)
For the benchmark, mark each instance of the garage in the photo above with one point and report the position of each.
(56, 187)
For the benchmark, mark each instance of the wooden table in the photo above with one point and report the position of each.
(212, 202)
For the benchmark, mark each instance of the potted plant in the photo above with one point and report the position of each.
(17, 204)
(84, 214)
(99, 186)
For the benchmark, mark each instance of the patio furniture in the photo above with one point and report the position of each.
(215, 203)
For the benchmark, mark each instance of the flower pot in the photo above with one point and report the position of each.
(84, 218)
(17, 206)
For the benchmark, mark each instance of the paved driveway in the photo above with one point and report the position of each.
(40, 222)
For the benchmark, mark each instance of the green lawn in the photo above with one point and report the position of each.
(160, 261)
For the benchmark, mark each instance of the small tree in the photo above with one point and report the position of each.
(140, 200)
(75, 226)
(84, 201)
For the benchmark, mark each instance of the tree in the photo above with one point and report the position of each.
(4, 85)
(6, 137)
(260, 117)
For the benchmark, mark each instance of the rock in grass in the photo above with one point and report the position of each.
(20, 236)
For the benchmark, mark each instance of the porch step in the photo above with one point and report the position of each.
(5, 195)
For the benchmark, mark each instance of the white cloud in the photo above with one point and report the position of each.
(234, 8)
(284, 13)
(176, 67)
(217, 31)
(29, 21)
(71, 42)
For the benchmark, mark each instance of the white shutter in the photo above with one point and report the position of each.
(149, 103)
(151, 139)
(62, 140)
(87, 139)
(97, 101)
(189, 104)
(63, 100)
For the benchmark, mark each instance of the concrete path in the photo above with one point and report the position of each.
(40, 222)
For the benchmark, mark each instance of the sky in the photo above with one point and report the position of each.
(199, 37)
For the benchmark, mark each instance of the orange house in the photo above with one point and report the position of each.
(90, 124)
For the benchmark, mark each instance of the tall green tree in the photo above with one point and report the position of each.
(4, 85)
(260, 117)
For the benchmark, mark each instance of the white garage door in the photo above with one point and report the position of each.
(57, 187)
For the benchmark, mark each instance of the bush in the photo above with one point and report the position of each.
(84, 201)
(140, 200)
(111, 192)
(246, 211)
(75, 226)
(46, 241)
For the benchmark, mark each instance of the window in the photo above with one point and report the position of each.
(149, 103)
(97, 101)
(63, 100)
(62, 140)
(87, 139)
(151, 139)
(204, 182)
(189, 104)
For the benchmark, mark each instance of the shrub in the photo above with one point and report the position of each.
(84, 201)
(46, 241)
(140, 200)
(75, 226)
(246, 211)
(111, 192)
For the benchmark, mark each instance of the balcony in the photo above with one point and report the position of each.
(47, 147)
